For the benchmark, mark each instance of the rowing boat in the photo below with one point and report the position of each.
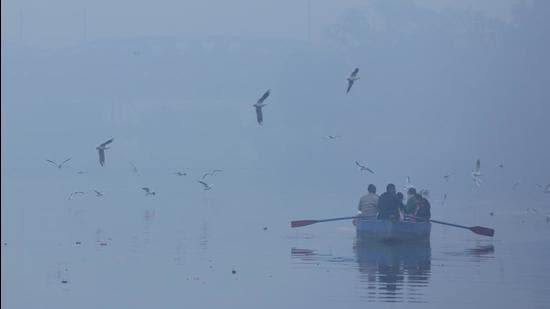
(393, 230)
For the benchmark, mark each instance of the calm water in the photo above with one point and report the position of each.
(188, 248)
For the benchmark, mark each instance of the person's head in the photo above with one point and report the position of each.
(400, 196)
(371, 188)
(411, 192)
(390, 188)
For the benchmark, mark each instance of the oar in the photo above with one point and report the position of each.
(485, 231)
(300, 223)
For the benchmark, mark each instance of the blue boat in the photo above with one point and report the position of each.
(393, 231)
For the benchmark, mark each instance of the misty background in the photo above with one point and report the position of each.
(442, 83)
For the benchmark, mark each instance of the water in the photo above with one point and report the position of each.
(233, 247)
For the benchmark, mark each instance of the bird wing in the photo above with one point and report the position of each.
(134, 167)
(51, 162)
(69, 159)
(350, 83)
(107, 143)
(264, 96)
(146, 189)
(203, 183)
(357, 163)
(354, 73)
(204, 175)
(478, 165)
(101, 156)
(259, 115)
(368, 169)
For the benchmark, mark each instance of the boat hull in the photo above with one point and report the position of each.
(393, 231)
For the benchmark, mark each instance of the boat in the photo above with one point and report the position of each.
(393, 231)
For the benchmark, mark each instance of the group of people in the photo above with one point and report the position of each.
(390, 205)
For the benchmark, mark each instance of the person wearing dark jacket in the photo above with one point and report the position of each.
(412, 202)
(423, 209)
(388, 204)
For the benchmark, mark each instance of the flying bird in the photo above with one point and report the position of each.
(59, 166)
(178, 173)
(101, 151)
(363, 168)
(476, 173)
(500, 165)
(546, 189)
(352, 78)
(148, 191)
(205, 185)
(212, 173)
(447, 176)
(333, 136)
(75, 193)
(259, 105)
(81, 172)
(134, 168)
(97, 193)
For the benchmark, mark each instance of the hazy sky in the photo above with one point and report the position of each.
(58, 23)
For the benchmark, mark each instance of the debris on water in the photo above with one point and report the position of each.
(233, 271)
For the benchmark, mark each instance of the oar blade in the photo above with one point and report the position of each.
(485, 231)
(300, 223)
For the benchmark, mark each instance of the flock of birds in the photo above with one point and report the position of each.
(476, 174)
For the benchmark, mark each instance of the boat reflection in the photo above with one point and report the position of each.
(393, 272)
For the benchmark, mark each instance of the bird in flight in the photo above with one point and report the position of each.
(211, 173)
(205, 185)
(546, 189)
(333, 136)
(59, 166)
(259, 105)
(500, 165)
(101, 151)
(447, 176)
(148, 191)
(363, 168)
(75, 193)
(476, 173)
(97, 193)
(179, 173)
(134, 168)
(81, 172)
(352, 78)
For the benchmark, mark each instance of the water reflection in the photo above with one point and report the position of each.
(393, 272)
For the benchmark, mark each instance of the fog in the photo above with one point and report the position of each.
(440, 86)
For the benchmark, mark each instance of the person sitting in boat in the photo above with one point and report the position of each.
(412, 202)
(368, 203)
(423, 210)
(388, 204)
(400, 197)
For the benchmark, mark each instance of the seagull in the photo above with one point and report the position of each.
(546, 189)
(408, 184)
(101, 151)
(178, 173)
(81, 172)
(363, 168)
(352, 78)
(212, 173)
(97, 193)
(259, 105)
(205, 185)
(75, 193)
(333, 136)
(476, 173)
(134, 168)
(59, 166)
(444, 199)
(500, 165)
(148, 191)
(447, 176)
